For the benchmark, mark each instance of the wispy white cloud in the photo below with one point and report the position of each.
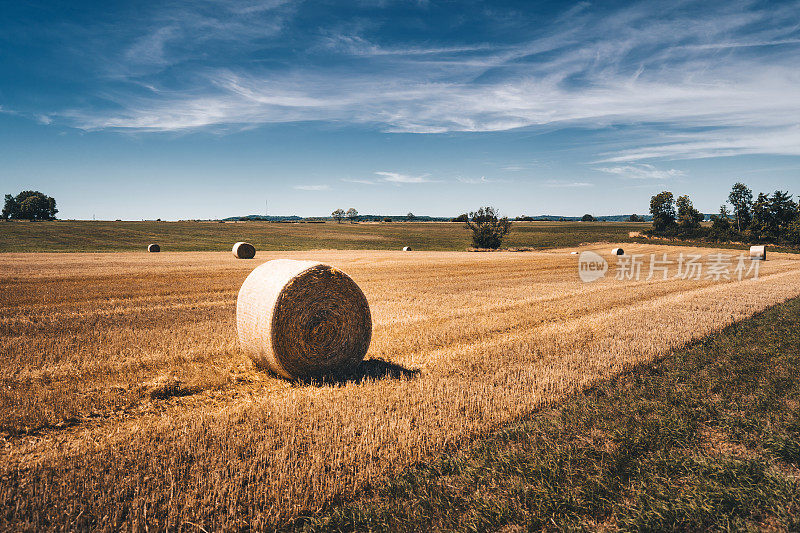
(312, 187)
(718, 143)
(479, 181)
(360, 181)
(646, 63)
(182, 33)
(568, 184)
(642, 171)
(396, 177)
(359, 46)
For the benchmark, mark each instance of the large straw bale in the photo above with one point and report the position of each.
(618, 251)
(244, 250)
(302, 318)
(152, 248)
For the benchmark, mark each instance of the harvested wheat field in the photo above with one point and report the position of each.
(126, 400)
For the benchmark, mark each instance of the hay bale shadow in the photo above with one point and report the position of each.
(370, 369)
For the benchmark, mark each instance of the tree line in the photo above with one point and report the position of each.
(769, 218)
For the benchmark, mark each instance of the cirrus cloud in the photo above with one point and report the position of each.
(718, 78)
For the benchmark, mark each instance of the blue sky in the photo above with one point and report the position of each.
(206, 109)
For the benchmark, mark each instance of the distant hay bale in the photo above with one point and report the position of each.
(302, 318)
(573, 253)
(618, 251)
(406, 248)
(244, 250)
(152, 248)
(758, 253)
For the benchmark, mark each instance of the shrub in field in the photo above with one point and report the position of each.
(488, 230)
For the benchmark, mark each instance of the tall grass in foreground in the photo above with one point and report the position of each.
(95, 439)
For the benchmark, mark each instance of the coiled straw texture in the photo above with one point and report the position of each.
(302, 319)
(244, 250)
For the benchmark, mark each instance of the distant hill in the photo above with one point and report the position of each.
(361, 218)
(601, 218)
(266, 218)
(421, 218)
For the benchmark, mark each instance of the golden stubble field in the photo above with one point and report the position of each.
(126, 402)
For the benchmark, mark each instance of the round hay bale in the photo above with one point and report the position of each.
(244, 250)
(618, 251)
(758, 253)
(302, 319)
(573, 253)
(152, 248)
(406, 248)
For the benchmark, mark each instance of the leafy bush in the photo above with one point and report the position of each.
(488, 230)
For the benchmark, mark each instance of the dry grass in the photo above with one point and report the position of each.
(125, 399)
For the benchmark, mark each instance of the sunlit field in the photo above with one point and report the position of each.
(126, 401)
(189, 236)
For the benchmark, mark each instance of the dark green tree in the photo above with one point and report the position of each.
(662, 207)
(338, 215)
(488, 230)
(463, 217)
(793, 232)
(721, 224)
(689, 218)
(741, 198)
(635, 218)
(773, 215)
(352, 215)
(761, 220)
(587, 218)
(783, 211)
(29, 205)
(10, 208)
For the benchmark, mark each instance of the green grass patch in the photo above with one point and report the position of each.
(704, 439)
(90, 236)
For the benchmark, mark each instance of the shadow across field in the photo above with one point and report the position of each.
(371, 369)
(704, 439)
